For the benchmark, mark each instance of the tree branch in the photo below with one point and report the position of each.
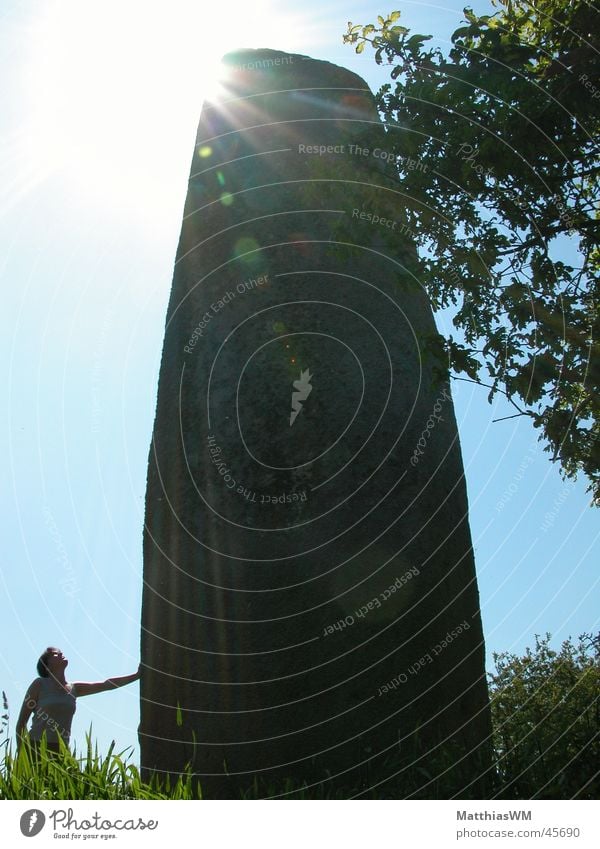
(496, 389)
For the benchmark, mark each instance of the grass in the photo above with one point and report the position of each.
(27, 774)
(67, 775)
(46, 775)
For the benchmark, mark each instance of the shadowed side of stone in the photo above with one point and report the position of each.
(310, 596)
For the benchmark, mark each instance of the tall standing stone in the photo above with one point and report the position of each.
(310, 603)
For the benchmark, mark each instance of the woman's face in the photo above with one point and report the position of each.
(56, 662)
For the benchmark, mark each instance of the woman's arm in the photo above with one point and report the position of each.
(88, 688)
(27, 708)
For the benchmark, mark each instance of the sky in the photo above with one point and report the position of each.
(98, 112)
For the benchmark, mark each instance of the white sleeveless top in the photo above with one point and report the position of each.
(54, 711)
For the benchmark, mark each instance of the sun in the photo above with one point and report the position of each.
(116, 89)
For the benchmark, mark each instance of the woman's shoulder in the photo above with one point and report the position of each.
(34, 690)
(41, 684)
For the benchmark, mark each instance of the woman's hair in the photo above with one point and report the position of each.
(42, 669)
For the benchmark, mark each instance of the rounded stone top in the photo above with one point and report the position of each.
(253, 67)
(295, 85)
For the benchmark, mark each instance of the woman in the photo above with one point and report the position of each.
(52, 700)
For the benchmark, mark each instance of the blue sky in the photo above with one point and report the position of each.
(98, 113)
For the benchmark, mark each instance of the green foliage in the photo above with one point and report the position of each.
(4, 722)
(46, 775)
(505, 203)
(546, 720)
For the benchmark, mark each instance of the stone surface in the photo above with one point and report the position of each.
(310, 595)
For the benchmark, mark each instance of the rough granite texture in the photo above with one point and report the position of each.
(301, 581)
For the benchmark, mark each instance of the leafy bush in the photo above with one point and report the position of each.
(546, 721)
